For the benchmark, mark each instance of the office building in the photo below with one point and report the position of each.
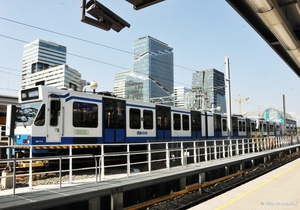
(153, 60)
(180, 96)
(208, 90)
(45, 63)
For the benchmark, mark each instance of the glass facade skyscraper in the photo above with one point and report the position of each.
(208, 90)
(153, 60)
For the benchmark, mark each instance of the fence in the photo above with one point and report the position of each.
(126, 159)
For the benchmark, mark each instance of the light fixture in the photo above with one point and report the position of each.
(140, 4)
(104, 18)
(261, 6)
(286, 38)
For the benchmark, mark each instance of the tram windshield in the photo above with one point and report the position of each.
(26, 113)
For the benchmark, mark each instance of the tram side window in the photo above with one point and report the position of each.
(234, 124)
(224, 122)
(163, 118)
(176, 122)
(217, 122)
(85, 115)
(185, 122)
(148, 119)
(54, 112)
(242, 126)
(253, 126)
(196, 121)
(264, 127)
(40, 119)
(135, 118)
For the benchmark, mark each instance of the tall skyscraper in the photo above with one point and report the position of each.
(180, 95)
(153, 60)
(208, 90)
(45, 63)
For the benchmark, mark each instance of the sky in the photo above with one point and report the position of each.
(202, 34)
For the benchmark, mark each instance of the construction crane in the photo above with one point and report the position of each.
(239, 100)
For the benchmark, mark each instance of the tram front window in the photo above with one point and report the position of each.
(27, 113)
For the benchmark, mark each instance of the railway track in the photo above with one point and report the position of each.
(191, 196)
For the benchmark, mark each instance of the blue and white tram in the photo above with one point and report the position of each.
(49, 117)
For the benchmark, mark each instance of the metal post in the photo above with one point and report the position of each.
(102, 163)
(30, 168)
(70, 164)
(128, 160)
(60, 173)
(167, 156)
(149, 158)
(195, 152)
(228, 97)
(14, 178)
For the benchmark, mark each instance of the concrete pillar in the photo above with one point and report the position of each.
(182, 183)
(242, 166)
(117, 201)
(226, 170)
(201, 180)
(95, 203)
(252, 163)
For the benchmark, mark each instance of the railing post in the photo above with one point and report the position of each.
(182, 153)
(215, 149)
(205, 151)
(96, 175)
(128, 160)
(167, 156)
(195, 152)
(243, 146)
(149, 158)
(70, 164)
(60, 172)
(14, 178)
(230, 147)
(237, 148)
(223, 143)
(102, 163)
(30, 168)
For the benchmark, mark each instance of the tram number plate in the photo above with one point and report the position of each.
(81, 132)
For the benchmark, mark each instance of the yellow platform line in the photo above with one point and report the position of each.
(257, 187)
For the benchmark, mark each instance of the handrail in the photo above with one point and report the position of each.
(158, 155)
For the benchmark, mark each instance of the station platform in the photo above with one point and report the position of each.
(47, 196)
(279, 189)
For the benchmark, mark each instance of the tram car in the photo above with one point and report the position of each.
(49, 116)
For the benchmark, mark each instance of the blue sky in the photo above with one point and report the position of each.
(202, 33)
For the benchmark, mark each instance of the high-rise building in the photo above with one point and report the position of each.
(45, 63)
(153, 60)
(180, 95)
(129, 85)
(208, 90)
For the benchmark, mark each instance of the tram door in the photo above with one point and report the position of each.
(163, 119)
(196, 125)
(113, 121)
(54, 121)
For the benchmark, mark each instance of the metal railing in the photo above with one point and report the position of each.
(127, 159)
